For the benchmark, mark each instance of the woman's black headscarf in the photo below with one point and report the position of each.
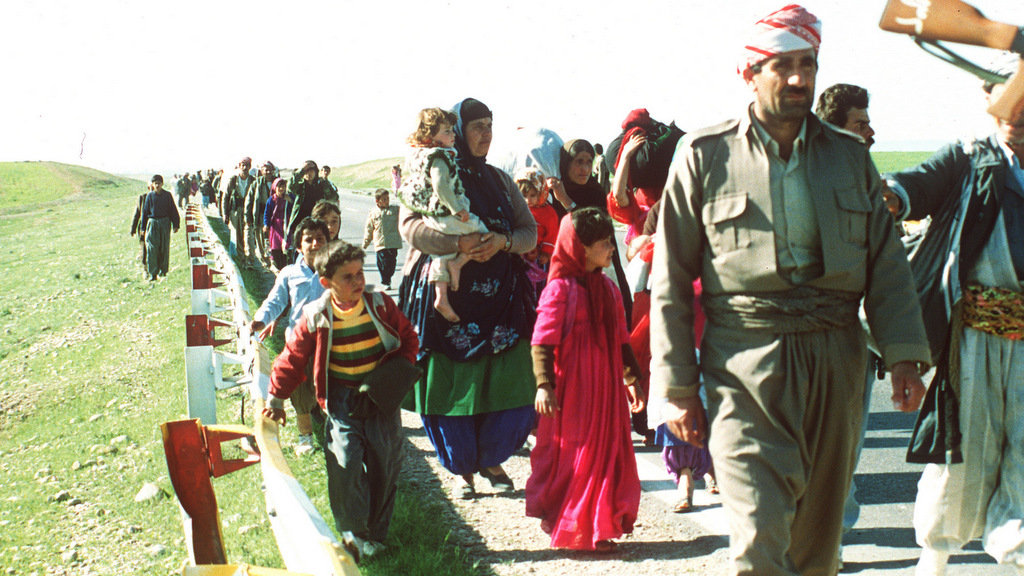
(589, 194)
(480, 183)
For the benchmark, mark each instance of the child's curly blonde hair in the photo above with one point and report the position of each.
(429, 122)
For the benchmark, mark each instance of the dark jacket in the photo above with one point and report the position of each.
(975, 173)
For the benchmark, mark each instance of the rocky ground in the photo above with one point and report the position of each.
(497, 534)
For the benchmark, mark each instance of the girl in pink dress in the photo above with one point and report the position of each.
(584, 485)
(275, 217)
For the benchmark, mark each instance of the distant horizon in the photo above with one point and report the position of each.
(123, 87)
(920, 146)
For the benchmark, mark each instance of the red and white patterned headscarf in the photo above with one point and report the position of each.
(787, 29)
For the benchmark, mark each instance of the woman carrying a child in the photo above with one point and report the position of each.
(477, 391)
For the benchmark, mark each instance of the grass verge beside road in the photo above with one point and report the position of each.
(91, 363)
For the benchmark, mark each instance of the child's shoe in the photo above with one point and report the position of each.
(304, 445)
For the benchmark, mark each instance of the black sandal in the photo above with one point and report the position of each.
(500, 482)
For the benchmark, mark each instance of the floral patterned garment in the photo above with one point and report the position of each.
(995, 311)
(417, 191)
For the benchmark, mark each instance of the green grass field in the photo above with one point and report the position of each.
(91, 362)
(893, 161)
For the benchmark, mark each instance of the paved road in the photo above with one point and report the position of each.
(882, 542)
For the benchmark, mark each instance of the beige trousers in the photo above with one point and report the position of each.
(785, 413)
(983, 496)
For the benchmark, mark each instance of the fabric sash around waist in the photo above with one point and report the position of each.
(995, 311)
(802, 309)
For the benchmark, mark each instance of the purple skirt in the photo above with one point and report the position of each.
(678, 454)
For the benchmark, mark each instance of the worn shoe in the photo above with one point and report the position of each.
(464, 489)
(304, 445)
(606, 546)
(500, 482)
(360, 548)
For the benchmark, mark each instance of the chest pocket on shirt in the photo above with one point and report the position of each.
(723, 222)
(854, 208)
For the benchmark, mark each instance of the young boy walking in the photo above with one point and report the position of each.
(297, 285)
(347, 333)
(382, 231)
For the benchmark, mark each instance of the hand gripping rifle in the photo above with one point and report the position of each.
(930, 22)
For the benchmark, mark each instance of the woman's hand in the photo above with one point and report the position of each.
(558, 189)
(632, 145)
(636, 397)
(481, 247)
(545, 402)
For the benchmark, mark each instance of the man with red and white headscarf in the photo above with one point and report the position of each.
(781, 217)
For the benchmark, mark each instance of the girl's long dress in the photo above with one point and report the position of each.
(584, 486)
(277, 223)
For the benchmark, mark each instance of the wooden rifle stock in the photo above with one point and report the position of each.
(957, 21)
(1010, 104)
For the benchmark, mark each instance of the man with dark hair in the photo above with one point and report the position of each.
(237, 190)
(781, 217)
(255, 204)
(846, 106)
(159, 216)
(183, 189)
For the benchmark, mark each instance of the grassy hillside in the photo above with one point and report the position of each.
(91, 363)
(23, 184)
(367, 176)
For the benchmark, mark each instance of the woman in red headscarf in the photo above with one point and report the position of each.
(584, 484)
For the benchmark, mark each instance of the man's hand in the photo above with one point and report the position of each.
(892, 201)
(686, 418)
(907, 388)
(276, 414)
(545, 402)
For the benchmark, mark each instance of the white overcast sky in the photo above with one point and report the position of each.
(140, 86)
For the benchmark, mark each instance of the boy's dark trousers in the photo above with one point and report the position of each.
(386, 261)
(364, 458)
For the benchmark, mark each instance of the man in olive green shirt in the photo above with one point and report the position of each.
(781, 218)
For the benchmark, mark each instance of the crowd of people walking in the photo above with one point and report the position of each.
(763, 286)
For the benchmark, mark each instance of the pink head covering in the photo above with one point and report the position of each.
(787, 29)
(273, 186)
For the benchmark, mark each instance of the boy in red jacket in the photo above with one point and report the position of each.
(347, 333)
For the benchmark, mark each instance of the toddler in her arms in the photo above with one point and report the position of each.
(432, 188)
(534, 187)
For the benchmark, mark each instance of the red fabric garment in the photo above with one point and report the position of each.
(641, 199)
(584, 485)
(547, 227)
(640, 337)
(568, 261)
(639, 117)
(634, 216)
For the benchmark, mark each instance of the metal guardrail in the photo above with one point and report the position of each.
(193, 447)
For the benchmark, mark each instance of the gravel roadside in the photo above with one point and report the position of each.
(496, 533)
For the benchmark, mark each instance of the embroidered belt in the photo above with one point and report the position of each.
(802, 309)
(995, 311)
